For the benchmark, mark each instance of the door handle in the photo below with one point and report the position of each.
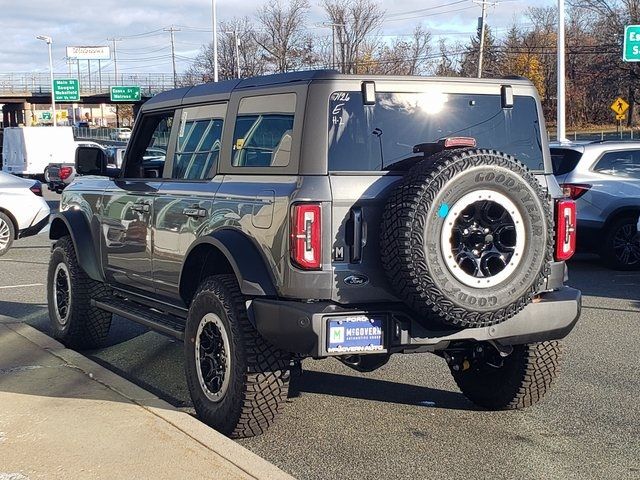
(358, 235)
(195, 212)
(140, 207)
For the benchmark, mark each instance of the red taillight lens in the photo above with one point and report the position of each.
(36, 188)
(306, 240)
(574, 190)
(65, 172)
(565, 229)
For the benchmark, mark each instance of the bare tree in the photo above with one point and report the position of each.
(352, 21)
(251, 55)
(446, 66)
(400, 57)
(282, 34)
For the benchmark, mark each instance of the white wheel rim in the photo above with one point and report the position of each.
(213, 366)
(62, 293)
(5, 234)
(459, 257)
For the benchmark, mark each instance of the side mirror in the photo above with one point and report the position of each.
(91, 161)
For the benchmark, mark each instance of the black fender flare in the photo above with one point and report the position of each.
(74, 223)
(248, 264)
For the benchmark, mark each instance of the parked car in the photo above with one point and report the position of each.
(604, 179)
(23, 211)
(313, 215)
(58, 175)
(122, 134)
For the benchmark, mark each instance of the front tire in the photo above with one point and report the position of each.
(517, 381)
(237, 381)
(74, 321)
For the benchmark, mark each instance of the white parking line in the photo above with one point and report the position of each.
(6, 287)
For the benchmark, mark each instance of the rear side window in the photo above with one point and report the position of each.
(374, 137)
(625, 163)
(198, 142)
(564, 160)
(263, 131)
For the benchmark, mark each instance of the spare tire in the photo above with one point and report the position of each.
(467, 237)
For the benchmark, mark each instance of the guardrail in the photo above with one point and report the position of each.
(40, 83)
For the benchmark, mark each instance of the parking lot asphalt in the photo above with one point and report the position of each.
(407, 419)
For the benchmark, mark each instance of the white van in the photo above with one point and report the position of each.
(27, 151)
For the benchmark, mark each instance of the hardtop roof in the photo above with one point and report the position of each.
(224, 88)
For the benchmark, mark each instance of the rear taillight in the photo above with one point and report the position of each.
(306, 240)
(565, 229)
(574, 190)
(36, 188)
(65, 172)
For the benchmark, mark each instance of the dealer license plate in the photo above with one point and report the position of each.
(355, 334)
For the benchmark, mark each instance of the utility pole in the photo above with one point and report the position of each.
(115, 58)
(237, 50)
(172, 29)
(115, 70)
(483, 21)
(215, 40)
(561, 126)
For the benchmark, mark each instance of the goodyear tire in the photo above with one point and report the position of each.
(238, 382)
(467, 237)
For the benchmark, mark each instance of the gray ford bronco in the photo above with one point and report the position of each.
(315, 214)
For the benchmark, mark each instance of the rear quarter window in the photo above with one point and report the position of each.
(564, 160)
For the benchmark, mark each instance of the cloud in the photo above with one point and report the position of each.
(145, 46)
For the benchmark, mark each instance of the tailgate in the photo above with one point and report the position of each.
(358, 202)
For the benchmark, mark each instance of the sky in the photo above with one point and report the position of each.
(145, 45)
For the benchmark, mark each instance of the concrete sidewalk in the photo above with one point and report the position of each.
(63, 416)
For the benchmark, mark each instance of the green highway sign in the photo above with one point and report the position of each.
(631, 48)
(66, 90)
(125, 94)
(46, 115)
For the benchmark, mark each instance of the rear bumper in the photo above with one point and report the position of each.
(300, 327)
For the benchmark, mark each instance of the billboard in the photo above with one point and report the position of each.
(89, 53)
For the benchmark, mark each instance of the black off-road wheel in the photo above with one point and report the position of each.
(237, 381)
(74, 321)
(467, 237)
(7, 233)
(516, 381)
(621, 250)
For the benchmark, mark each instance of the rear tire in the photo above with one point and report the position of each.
(74, 321)
(621, 249)
(522, 381)
(7, 233)
(237, 381)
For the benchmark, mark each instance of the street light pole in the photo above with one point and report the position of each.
(561, 126)
(49, 41)
(215, 41)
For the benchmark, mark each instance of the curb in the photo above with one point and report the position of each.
(247, 461)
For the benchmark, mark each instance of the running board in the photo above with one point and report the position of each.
(157, 321)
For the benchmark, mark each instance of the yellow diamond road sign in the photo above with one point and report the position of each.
(620, 106)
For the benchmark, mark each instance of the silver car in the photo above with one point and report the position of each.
(604, 179)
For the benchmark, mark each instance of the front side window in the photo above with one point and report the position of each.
(263, 132)
(374, 137)
(624, 163)
(198, 145)
(147, 154)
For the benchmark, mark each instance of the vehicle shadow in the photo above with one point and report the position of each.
(364, 388)
(588, 274)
